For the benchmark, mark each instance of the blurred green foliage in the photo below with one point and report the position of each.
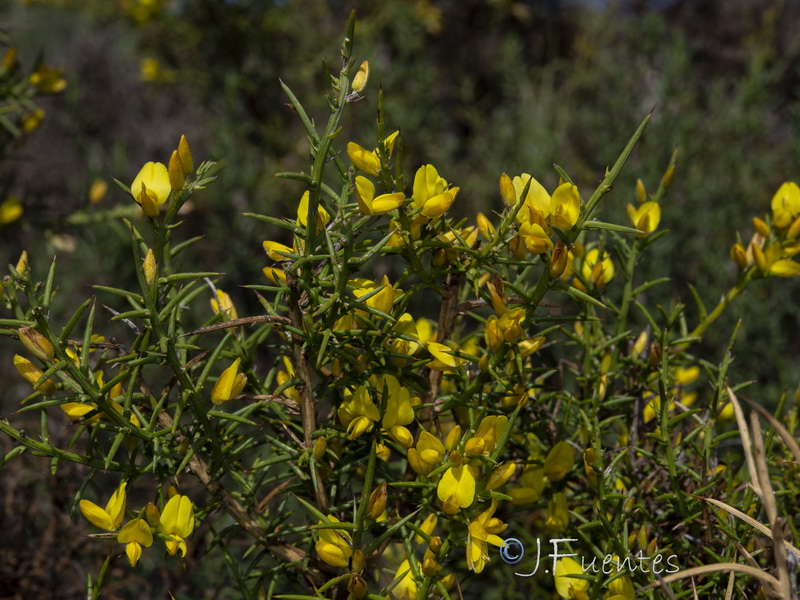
(484, 85)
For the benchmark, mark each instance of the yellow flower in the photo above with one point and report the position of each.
(621, 589)
(334, 546)
(431, 194)
(380, 300)
(597, 268)
(110, 518)
(177, 522)
(358, 412)
(482, 531)
(500, 476)
(536, 239)
(536, 207)
(361, 78)
(229, 385)
(444, 357)
(323, 216)
(134, 535)
(366, 161)
(559, 461)
(489, 431)
(785, 204)
(427, 455)
(151, 188)
(557, 513)
(399, 411)
(405, 326)
(407, 588)
(369, 204)
(10, 210)
(532, 484)
(567, 586)
(565, 206)
(223, 304)
(645, 217)
(150, 268)
(510, 324)
(32, 374)
(456, 488)
(771, 261)
(277, 251)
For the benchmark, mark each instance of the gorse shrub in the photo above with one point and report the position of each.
(425, 408)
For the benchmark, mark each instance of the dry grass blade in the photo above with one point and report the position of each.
(763, 577)
(784, 434)
(747, 445)
(750, 521)
(238, 323)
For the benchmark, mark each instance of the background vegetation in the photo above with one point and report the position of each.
(484, 85)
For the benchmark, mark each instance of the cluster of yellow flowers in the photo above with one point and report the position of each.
(173, 524)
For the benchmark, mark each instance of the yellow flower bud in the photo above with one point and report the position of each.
(359, 561)
(185, 154)
(357, 586)
(149, 267)
(36, 343)
(507, 191)
(641, 193)
(761, 227)
(452, 439)
(669, 176)
(485, 227)
(588, 459)
(229, 385)
(794, 229)
(22, 266)
(361, 78)
(501, 475)
(558, 261)
(175, 172)
(428, 526)
(98, 191)
(377, 501)
(320, 446)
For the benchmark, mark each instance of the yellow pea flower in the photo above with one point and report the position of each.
(110, 518)
(536, 239)
(371, 205)
(358, 412)
(361, 78)
(427, 454)
(399, 411)
(567, 586)
(532, 484)
(229, 385)
(134, 535)
(275, 275)
(444, 357)
(483, 531)
(151, 188)
(785, 204)
(500, 476)
(432, 196)
(335, 546)
(557, 513)
(223, 304)
(456, 488)
(559, 461)
(536, 207)
(408, 327)
(277, 251)
(510, 324)
(771, 261)
(489, 431)
(597, 268)
(407, 588)
(323, 216)
(565, 206)
(32, 374)
(645, 217)
(428, 526)
(177, 522)
(366, 161)
(621, 588)
(381, 300)
(285, 375)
